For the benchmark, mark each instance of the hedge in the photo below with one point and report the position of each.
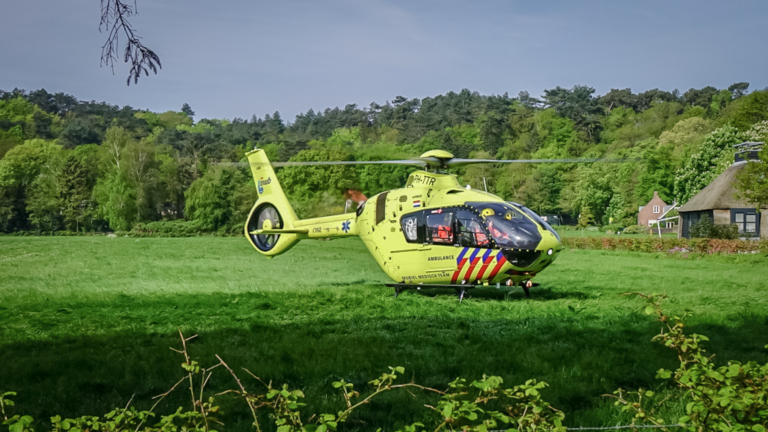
(666, 244)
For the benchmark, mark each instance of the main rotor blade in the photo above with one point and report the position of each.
(459, 162)
(415, 162)
(383, 162)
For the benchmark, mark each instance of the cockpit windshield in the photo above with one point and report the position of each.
(508, 226)
(538, 219)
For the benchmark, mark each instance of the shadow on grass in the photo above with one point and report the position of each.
(581, 357)
(505, 293)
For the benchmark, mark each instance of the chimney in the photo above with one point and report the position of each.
(655, 194)
(747, 151)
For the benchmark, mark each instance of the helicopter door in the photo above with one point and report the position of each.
(470, 230)
(440, 251)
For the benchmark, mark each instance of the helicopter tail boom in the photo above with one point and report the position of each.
(272, 226)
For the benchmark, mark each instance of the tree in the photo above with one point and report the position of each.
(751, 109)
(140, 168)
(619, 98)
(186, 109)
(79, 131)
(752, 182)
(114, 19)
(702, 167)
(648, 98)
(579, 105)
(585, 218)
(117, 201)
(301, 183)
(738, 89)
(116, 141)
(657, 175)
(209, 198)
(78, 208)
(700, 97)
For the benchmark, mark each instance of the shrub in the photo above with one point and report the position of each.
(177, 228)
(636, 229)
(612, 228)
(667, 244)
(704, 228)
(729, 397)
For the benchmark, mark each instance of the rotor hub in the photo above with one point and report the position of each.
(437, 159)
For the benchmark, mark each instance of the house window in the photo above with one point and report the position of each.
(748, 221)
(651, 222)
(656, 209)
(670, 224)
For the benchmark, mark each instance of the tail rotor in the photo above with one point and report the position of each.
(265, 217)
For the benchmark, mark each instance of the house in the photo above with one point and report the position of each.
(718, 201)
(649, 213)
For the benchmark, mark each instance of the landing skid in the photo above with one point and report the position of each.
(460, 289)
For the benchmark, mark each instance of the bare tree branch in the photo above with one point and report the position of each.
(114, 20)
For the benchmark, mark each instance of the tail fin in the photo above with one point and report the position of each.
(272, 211)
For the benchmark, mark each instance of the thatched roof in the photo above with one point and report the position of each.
(718, 195)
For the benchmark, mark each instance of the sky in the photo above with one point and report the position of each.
(237, 58)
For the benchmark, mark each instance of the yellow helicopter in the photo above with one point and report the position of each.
(433, 233)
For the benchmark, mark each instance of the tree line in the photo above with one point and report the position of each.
(73, 165)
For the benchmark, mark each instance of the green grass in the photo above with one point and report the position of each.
(585, 233)
(86, 322)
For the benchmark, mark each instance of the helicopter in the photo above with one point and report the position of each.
(432, 233)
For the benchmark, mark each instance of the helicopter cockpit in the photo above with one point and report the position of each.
(476, 224)
(508, 227)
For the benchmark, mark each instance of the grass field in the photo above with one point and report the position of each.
(86, 322)
(585, 233)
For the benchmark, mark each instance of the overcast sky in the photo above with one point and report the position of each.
(237, 58)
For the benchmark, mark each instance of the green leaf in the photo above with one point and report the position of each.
(447, 411)
(649, 394)
(649, 310)
(400, 369)
(715, 375)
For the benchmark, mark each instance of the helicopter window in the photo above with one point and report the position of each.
(440, 227)
(538, 219)
(410, 225)
(381, 203)
(470, 230)
(510, 228)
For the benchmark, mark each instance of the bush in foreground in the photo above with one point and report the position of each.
(731, 397)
